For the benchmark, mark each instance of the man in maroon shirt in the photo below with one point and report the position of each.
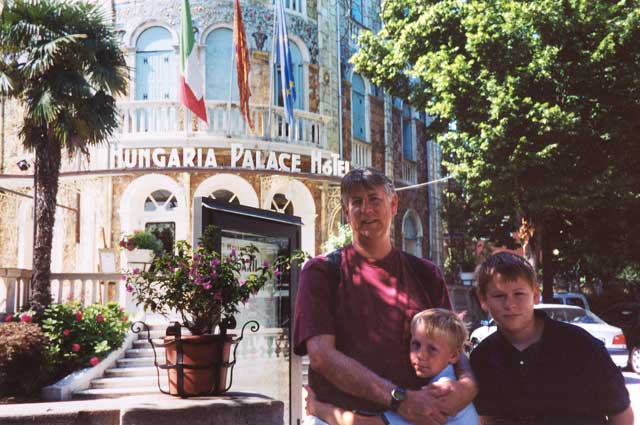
(352, 319)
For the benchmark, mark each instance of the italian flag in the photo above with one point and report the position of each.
(191, 81)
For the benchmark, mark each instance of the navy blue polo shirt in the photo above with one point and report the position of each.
(567, 377)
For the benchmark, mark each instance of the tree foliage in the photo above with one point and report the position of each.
(61, 60)
(538, 112)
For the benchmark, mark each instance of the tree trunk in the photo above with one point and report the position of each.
(47, 169)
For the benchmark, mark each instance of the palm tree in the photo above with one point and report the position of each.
(62, 62)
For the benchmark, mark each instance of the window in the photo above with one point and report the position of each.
(223, 195)
(156, 72)
(412, 234)
(165, 232)
(160, 200)
(293, 5)
(357, 11)
(358, 108)
(407, 133)
(220, 75)
(298, 72)
(281, 204)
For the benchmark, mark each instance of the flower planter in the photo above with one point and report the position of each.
(139, 256)
(204, 364)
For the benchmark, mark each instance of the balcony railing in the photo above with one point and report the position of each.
(409, 172)
(360, 154)
(87, 288)
(141, 118)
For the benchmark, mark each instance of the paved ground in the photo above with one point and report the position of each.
(633, 385)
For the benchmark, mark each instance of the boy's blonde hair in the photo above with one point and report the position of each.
(438, 322)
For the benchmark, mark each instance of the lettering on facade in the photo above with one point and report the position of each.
(239, 157)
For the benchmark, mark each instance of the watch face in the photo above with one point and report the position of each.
(398, 394)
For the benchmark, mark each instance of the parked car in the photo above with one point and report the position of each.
(627, 317)
(571, 298)
(611, 336)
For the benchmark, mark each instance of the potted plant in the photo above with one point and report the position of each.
(205, 290)
(140, 247)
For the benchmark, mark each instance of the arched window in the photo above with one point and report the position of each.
(221, 76)
(281, 204)
(358, 107)
(298, 74)
(156, 73)
(407, 133)
(412, 234)
(160, 200)
(224, 195)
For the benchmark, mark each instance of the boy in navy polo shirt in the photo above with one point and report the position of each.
(535, 370)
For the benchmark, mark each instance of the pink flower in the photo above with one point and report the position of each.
(136, 271)
(94, 361)
(66, 332)
(75, 347)
(130, 246)
(26, 317)
(214, 262)
(241, 282)
(8, 318)
(99, 318)
(265, 263)
(233, 252)
(129, 288)
(277, 272)
(206, 285)
(197, 257)
(123, 277)
(78, 316)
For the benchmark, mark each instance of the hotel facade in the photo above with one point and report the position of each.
(161, 159)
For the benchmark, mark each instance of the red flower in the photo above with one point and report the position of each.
(75, 347)
(8, 318)
(26, 317)
(78, 316)
(66, 332)
(94, 361)
(99, 318)
(125, 318)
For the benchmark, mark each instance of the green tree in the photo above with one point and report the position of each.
(61, 60)
(537, 105)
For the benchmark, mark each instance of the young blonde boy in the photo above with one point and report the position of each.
(535, 370)
(437, 341)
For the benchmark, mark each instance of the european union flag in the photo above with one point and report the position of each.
(283, 59)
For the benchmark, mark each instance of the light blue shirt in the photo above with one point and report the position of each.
(467, 416)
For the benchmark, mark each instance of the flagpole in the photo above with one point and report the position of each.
(272, 68)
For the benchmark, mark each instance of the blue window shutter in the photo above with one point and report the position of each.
(218, 62)
(156, 72)
(358, 108)
(407, 136)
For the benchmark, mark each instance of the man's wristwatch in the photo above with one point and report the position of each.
(398, 395)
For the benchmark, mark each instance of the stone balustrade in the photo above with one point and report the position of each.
(164, 118)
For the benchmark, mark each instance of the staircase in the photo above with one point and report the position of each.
(135, 373)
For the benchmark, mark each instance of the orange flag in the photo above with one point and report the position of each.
(242, 62)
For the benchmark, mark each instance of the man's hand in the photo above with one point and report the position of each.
(448, 395)
(422, 408)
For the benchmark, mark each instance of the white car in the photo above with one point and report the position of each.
(611, 336)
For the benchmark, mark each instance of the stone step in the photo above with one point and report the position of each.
(144, 343)
(137, 362)
(127, 382)
(133, 371)
(96, 393)
(144, 352)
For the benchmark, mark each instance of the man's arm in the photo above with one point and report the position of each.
(347, 374)
(455, 395)
(333, 415)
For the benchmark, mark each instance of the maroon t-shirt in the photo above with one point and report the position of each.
(369, 312)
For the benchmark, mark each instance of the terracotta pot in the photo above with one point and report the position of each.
(211, 352)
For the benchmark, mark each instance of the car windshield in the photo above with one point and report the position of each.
(572, 315)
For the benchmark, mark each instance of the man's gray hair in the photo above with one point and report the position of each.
(364, 177)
